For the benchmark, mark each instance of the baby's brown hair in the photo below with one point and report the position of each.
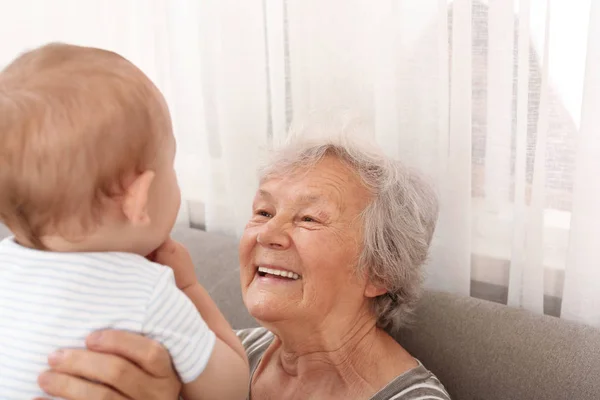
(75, 123)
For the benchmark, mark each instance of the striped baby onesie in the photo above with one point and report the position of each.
(50, 301)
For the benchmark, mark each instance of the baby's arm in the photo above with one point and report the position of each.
(226, 375)
(213, 316)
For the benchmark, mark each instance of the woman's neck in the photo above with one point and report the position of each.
(326, 348)
(355, 358)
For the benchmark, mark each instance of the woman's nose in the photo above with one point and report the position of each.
(274, 235)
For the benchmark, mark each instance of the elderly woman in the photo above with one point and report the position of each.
(330, 264)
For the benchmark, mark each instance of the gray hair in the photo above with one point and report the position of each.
(399, 222)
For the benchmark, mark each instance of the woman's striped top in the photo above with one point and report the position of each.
(416, 384)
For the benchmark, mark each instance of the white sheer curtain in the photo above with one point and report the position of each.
(498, 101)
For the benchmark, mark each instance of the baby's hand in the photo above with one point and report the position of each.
(173, 254)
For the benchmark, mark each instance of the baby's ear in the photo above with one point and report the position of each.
(135, 204)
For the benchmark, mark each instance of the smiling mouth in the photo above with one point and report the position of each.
(277, 273)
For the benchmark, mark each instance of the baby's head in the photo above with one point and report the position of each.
(86, 153)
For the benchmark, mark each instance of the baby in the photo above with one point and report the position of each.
(88, 188)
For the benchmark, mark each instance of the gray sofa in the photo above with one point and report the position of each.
(479, 350)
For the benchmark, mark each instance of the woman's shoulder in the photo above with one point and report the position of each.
(253, 336)
(255, 342)
(418, 383)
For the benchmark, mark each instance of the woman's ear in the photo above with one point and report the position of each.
(374, 290)
(135, 204)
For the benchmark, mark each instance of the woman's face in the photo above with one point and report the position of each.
(299, 251)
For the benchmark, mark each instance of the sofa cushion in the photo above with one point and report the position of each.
(483, 350)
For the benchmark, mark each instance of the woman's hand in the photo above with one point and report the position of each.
(174, 255)
(117, 365)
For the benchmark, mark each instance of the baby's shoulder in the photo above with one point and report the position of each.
(133, 265)
(111, 269)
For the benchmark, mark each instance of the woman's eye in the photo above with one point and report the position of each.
(308, 219)
(263, 213)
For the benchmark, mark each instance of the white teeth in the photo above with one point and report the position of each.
(278, 272)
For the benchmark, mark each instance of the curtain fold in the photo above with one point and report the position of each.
(581, 299)
(533, 278)
(386, 115)
(517, 259)
(453, 235)
(442, 91)
(276, 45)
(241, 101)
(500, 64)
(189, 70)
